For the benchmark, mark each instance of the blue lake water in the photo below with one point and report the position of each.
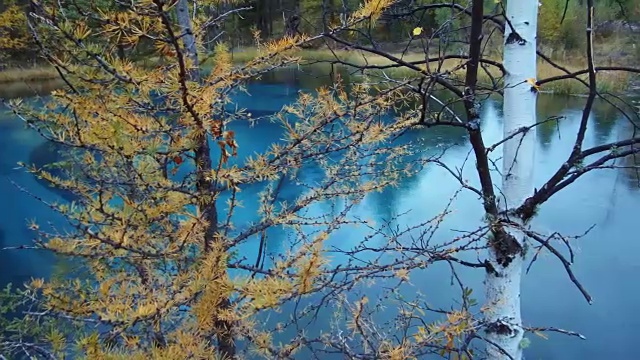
(606, 259)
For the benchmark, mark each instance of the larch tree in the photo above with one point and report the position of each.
(150, 155)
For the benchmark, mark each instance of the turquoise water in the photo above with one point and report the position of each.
(606, 259)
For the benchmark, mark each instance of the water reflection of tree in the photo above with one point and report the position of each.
(551, 106)
(626, 126)
(629, 166)
(604, 117)
(426, 144)
(308, 77)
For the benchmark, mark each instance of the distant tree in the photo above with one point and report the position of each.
(15, 39)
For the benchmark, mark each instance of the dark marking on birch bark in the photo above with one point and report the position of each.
(490, 269)
(514, 37)
(506, 247)
(501, 328)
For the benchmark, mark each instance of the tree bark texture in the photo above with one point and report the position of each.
(507, 248)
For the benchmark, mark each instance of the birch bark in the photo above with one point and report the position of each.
(189, 39)
(225, 344)
(502, 284)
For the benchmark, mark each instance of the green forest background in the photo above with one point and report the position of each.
(271, 18)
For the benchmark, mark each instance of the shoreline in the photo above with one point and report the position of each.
(31, 74)
(610, 82)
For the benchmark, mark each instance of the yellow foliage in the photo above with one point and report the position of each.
(402, 274)
(371, 9)
(57, 340)
(14, 35)
(310, 264)
(223, 60)
(150, 159)
(398, 352)
(267, 293)
(533, 83)
(262, 343)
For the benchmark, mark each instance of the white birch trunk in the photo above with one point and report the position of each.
(503, 284)
(189, 40)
